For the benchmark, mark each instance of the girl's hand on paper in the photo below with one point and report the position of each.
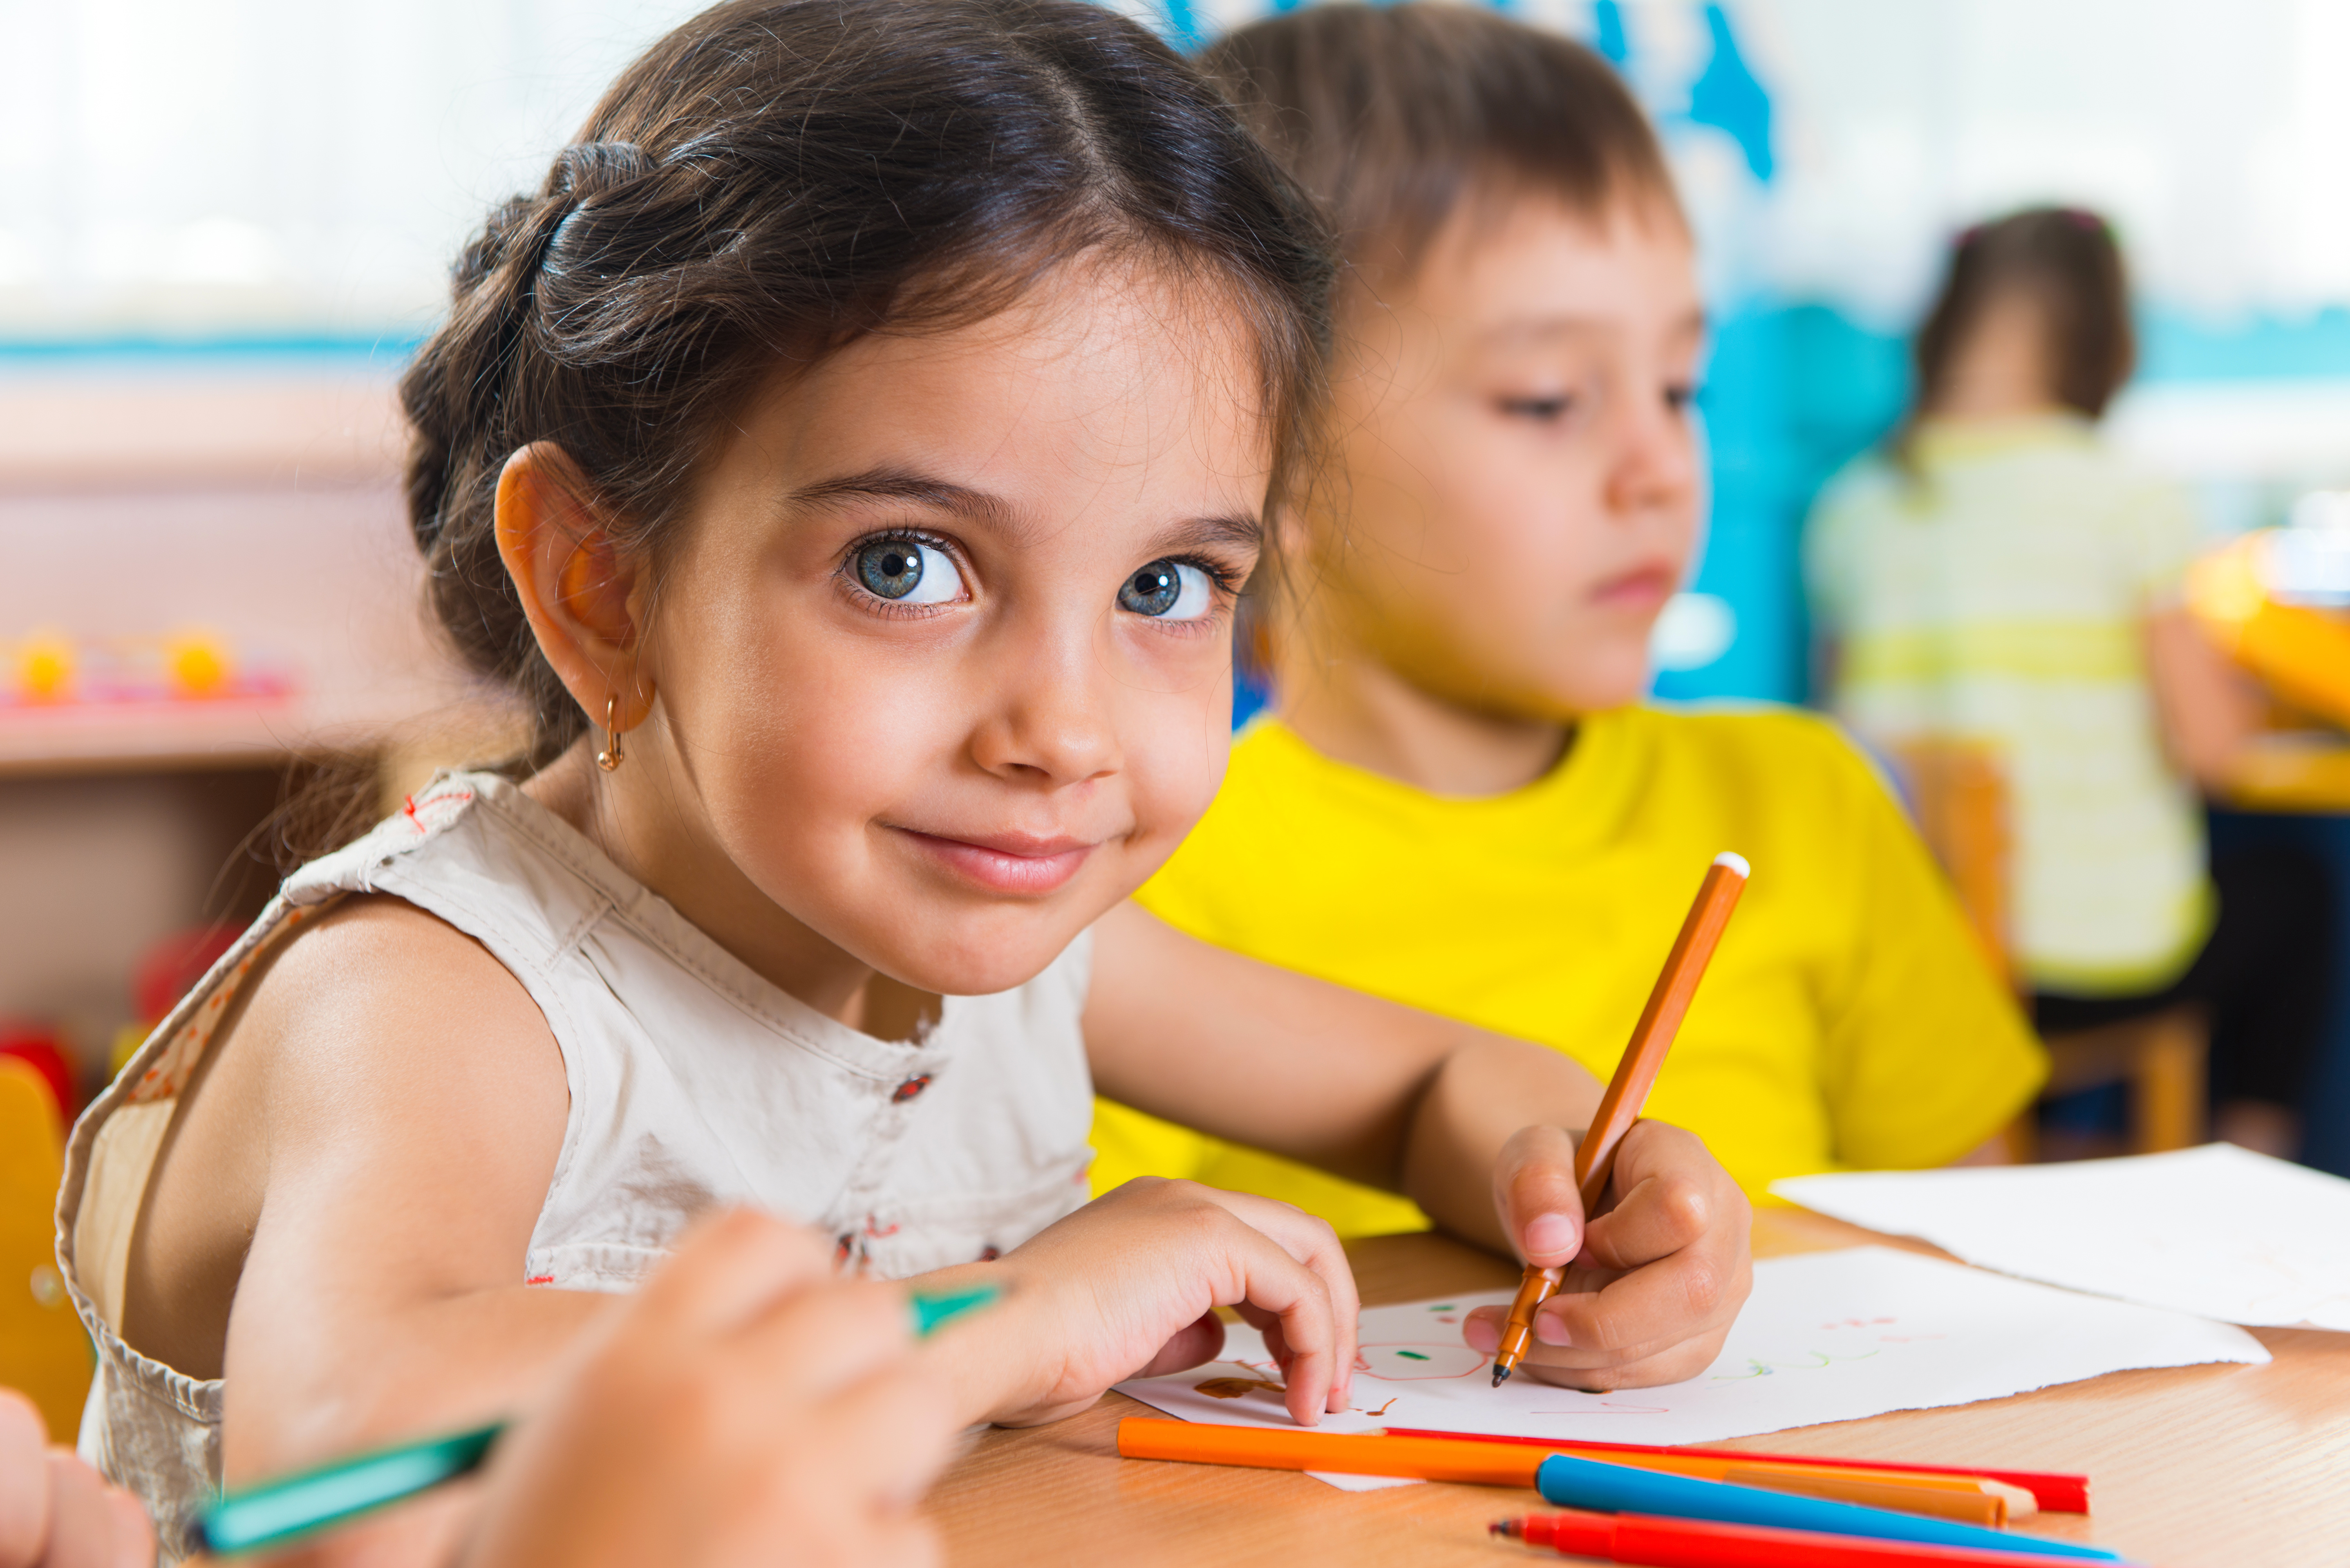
(54, 1512)
(1653, 1282)
(744, 1408)
(1127, 1287)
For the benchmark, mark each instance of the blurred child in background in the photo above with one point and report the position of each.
(1459, 801)
(2002, 576)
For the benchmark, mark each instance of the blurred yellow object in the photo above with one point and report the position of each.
(198, 664)
(43, 1350)
(45, 668)
(2302, 654)
(126, 1041)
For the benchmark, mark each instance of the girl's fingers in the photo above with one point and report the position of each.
(1534, 1193)
(1201, 1340)
(1309, 1241)
(730, 1267)
(1275, 1282)
(23, 1481)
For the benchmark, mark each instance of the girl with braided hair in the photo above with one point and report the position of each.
(852, 456)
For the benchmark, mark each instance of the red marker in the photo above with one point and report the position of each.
(1701, 1543)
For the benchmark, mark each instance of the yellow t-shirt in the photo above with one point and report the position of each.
(1847, 1020)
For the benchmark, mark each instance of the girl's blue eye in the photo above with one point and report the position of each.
(909, 572)
(1168, 590)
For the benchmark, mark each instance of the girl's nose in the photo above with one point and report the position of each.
(1053, 719)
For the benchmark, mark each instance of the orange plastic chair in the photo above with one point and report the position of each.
(1959, 791)
(43, 1351)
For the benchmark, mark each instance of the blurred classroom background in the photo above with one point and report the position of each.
(228, 226)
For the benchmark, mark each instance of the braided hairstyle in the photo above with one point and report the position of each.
(777, 178)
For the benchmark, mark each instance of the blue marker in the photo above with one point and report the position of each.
(1571, 1483)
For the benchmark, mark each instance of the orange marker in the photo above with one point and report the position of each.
(1595, 1158)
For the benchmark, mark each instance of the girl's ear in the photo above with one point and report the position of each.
(584, 596)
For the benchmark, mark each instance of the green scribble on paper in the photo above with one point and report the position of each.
(1411, 1355)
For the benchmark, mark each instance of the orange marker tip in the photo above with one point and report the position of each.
(1500, 1376)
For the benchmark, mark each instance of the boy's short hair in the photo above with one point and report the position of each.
(1391, 115)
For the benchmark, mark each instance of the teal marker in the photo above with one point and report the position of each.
(264, 1517)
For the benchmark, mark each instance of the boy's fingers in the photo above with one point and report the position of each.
(1534, 1189)
(1311, 1241)
(1643, 1313)
(23, 1481)
(1675, 1195)
(1654, 1220)
(729, 1269)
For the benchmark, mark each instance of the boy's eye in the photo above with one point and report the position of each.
(909, 572)
(1536, 408)
(1167, 590)
(1680, 396)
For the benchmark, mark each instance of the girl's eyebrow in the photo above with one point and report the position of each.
(898, 485)
(1237, 532)
(1204, 532)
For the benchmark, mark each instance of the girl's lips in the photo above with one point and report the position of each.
(1030, 865)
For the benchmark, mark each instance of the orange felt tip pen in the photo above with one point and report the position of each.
(1627, 1091)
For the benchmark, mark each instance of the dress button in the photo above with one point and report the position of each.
(910, 1088)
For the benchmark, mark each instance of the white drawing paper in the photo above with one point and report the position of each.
(2219, 1231)
(1826, 1336)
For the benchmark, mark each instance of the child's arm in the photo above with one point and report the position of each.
(1476, 1128)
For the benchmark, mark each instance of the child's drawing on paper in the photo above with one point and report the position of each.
(1830, 1336)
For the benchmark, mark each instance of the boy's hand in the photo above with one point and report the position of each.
(746, 1407)
(54, 1512)
(1125, 1287)
(1653, 1282)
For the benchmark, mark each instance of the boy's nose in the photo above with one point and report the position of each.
(1657, 464)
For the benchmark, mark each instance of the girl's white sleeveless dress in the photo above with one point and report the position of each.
(693, 1082)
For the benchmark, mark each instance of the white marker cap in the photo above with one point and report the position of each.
(1734, 862)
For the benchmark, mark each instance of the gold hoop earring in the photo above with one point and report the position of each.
(611, 758)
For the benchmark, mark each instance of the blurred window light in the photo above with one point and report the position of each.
(2308, 561)
(1694, 630)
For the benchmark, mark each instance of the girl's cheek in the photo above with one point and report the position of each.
(1177, 763)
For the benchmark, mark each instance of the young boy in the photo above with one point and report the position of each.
(1457, 802)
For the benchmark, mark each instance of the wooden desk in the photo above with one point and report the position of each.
(2199, 1467)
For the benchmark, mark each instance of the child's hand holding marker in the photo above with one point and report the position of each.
(54, 1511)
(745, 1399)
(1652, 1283)
(1659, 1276)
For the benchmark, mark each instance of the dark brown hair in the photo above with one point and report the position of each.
(772, 181)
(2065, 260)
(1392, 115)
